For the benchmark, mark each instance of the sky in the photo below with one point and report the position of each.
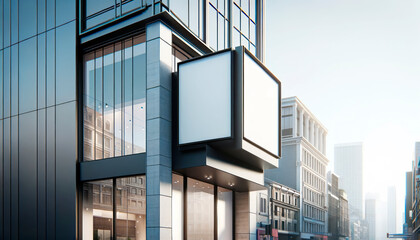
(356, 65)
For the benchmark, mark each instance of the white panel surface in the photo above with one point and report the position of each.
(205, 99)
(261, 107)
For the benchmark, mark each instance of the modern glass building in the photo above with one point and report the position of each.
(134, 119)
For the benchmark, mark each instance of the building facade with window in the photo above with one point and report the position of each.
(303, 166)
(98, 140)
(338, 211)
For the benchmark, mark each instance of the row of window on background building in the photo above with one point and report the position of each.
(115, 100)
(310, 211)
(314, 197)
(313, 163)
(310, 227)
(313, 180)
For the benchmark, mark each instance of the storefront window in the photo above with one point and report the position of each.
(224, 213)
(130, 206)
(115, 100)
(200, 210)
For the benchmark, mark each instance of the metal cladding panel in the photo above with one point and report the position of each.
(205, 98)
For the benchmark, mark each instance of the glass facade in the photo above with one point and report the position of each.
(115, 100)
(244, 14)
(97, 12)
(123, 218)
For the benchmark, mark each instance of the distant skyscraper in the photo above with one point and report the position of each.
(409, 200)
(392, 211)
(348, 164)
(370, 217)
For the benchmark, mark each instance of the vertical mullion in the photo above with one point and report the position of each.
(102, 103)
(114, 208)
(94, 107)
(114, 105)
(132, 96)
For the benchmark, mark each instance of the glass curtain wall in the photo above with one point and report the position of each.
(114, 98)
(218, 28)
(127, 212)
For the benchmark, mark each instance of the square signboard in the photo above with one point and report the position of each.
(261, 106)
(205, 98)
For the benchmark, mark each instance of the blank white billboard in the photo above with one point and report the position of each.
(261, 107)
(205, 106)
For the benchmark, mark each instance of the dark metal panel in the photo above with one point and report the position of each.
(6, 23)
(1, 32)
(14, 21)
(50, 68)
(14, 178)
(65, 11)
(6, 178)
(66, 171)
(50, 10)
(113, 167)
(41, 181)
(6, 82)
(66, 62)
(14, 80)
(42, 96)
(1, 82)
(27, 19)
(42, 4)
(27, 75)
(1, 179)
(50, 173)
(27, 175)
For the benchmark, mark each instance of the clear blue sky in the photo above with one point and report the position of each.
(356, 65)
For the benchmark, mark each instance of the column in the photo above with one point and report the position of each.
(301, 122)
(307, 128)
(324, 143)
(295, 125)
(158, 137)
(312, 134)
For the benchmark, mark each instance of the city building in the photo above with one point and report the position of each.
(370, 216)
(303, 166)
(344, 221)
(348, 164)
(338, 212)
(284, 210)
(391, 210)
(113, 126)
(416, 192)
(408, 202)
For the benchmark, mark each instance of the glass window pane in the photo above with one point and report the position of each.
(98, 105)
(109, 101)
(194, 15)
(245, 6)
(177, 207)
(244, 24)
(118, 101)
(111, 86)
(130, 5)
(212, 37)
(252, 32)
(131, 208)
(221, 5)
(252, 9)
(200, 210)
(128, 97)
(97, 210)
(139, 96)
(180, 8)
(236, 16)
(224, 213)
(221, 32)
(236, 38)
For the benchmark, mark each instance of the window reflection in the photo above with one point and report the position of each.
(131, 208)
(200, 210)
(130, 204)
(244, 23)
(115, 100)
(97, 210)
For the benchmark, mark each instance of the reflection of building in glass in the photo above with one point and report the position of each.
(128, 210)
